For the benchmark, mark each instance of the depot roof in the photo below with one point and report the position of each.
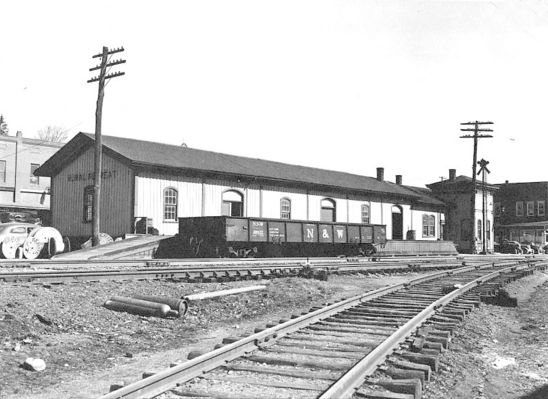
(144, 155)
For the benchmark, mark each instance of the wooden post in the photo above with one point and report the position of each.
(96, 227)
(102, 67)
(476, 129)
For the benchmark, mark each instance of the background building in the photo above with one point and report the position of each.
(163, 182)
(22, 194)
(456, 193)
(520, 212)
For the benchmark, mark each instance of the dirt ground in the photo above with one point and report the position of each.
(497, 353)
(87, 347)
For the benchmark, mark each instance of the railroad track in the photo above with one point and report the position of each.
(352, 348)
(216, 271)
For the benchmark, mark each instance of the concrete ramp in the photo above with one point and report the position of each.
(416, 247)
(137, 247)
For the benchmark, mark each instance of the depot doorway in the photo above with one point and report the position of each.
(397, 223)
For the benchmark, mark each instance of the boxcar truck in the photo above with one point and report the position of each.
(228, 236)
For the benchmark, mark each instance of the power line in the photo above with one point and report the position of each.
(104, 75)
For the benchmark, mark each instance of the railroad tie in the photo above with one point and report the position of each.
(407, 386)
(302, 363)
(313, 375)
(372, 394)
(420, 358)
(404, 374)
(407, 365)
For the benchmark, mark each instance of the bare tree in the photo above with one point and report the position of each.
(56, 134)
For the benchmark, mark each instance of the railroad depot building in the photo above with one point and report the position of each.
(142, 179)
(24, 196)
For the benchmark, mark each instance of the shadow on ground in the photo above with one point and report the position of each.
(541, 393)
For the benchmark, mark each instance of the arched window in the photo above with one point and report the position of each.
(170, 204)
(285, 208)
(329, 210)
(233, 203)
(88, 203)
(365, 214)
(428, 226)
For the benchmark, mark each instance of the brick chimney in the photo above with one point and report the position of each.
(398, 180)
(452, 174)
(380, 174)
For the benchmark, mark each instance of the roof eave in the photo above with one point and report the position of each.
(250, 178)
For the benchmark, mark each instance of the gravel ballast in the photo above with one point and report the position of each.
(497, 353)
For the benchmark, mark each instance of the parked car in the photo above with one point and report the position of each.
(17, 230)
(526, 249)
(537, 249)
(510, 247)
(29, 240)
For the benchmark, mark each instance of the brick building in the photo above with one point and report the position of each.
(520, 212)
(22, 194)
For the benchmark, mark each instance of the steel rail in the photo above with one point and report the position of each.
(249, 271)
(193, 261)
(7, 263)
(353, 378)
(150, 273)
(167, 379)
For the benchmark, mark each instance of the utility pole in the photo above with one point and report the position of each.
(102, 78)
(483, 168)
(477, 128)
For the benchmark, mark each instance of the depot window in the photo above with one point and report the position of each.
(428, 226)
(285, 208)
(365, 214)
(88, 204)
(233, 203)
(328, 212)
(170, 204)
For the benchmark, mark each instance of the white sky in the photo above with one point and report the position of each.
(343, 85)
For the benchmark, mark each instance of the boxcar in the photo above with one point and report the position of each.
(228, 236)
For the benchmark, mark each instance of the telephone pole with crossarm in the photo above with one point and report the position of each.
(102, 78)
(477, 129)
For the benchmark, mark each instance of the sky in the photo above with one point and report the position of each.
(347, 85)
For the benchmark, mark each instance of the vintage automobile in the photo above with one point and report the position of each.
(526, 248)
(510, 247)
(29, 240)
(537, 248)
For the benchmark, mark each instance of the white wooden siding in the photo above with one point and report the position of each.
(271, 203)
(116, 197)
(150, 198)
(200, 197)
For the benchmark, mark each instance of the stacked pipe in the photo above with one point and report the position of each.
(147, 305)
(165, 306)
